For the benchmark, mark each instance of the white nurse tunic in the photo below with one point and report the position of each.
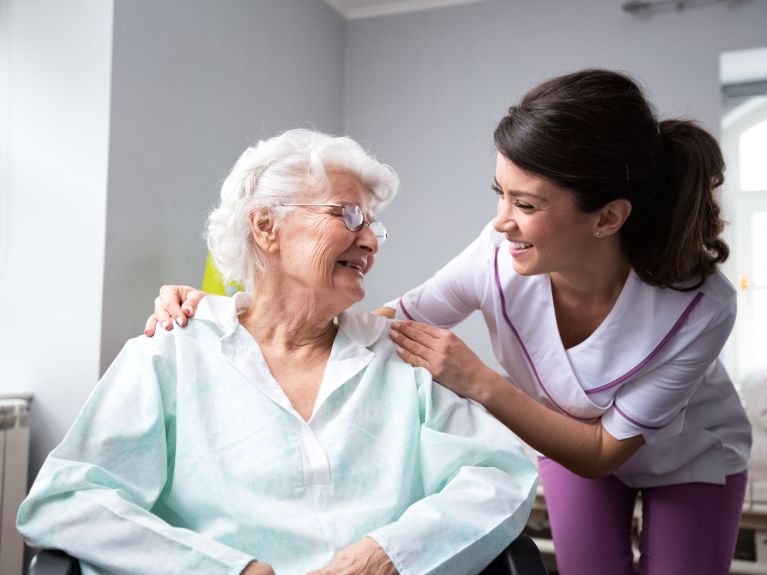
(650, 368)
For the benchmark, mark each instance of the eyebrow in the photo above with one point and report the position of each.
(519, 193)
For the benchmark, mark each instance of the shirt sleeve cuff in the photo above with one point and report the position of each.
(621, 425)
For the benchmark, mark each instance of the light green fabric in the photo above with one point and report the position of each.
(188, 457)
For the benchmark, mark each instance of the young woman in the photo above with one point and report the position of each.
(598, 282)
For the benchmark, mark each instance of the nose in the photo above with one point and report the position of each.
(366, 239)
(504, 219)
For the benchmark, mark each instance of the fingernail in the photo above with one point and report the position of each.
(146, 332)
(164, 324)
(180, 321)
(187, 310)
(395, 324)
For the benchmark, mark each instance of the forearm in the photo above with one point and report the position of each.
(105, 530)
(463, 527)
(583, 447)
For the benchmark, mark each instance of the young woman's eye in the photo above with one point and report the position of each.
(524, 205)
(496, 189)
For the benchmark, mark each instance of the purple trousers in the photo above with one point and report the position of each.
(687, 529)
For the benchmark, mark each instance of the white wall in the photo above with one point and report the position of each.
(194, 83)
(53, 185)
(152, 101)
(428, 88)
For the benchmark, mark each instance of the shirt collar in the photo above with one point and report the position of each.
(361, 327)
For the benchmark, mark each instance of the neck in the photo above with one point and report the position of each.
(286, 322)
(596, 279)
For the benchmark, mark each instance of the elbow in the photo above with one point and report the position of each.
(608, 459)
(597, 471)
(593, 470)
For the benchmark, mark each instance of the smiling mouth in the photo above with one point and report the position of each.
(520, 245)
(353, 265)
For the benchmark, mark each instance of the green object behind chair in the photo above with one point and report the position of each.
(213, 283)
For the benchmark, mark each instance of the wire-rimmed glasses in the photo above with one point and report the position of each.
(353, 218)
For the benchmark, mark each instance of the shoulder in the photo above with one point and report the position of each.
(372, 332)
(719, 290)
(368, 330)
(215, 316)
(707, 309)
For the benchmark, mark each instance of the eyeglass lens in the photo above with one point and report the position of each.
(354, 220)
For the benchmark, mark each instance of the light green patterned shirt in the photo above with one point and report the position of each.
(189, 458)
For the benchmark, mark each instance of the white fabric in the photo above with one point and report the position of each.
(189, 458)
(650, 368)
(754, 391)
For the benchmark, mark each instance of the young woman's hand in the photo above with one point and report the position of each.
(174, 304)
(362, 558)
(443, 354)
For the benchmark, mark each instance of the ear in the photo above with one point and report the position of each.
(611, 218)
(263, 229)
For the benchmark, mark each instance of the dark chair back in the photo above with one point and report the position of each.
(522, 557)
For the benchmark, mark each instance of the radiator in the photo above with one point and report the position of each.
(14, 454)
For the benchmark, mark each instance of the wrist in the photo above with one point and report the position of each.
(485, 384)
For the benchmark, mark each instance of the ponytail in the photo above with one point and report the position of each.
(685, 245)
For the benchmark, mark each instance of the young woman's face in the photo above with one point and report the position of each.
(547, 233)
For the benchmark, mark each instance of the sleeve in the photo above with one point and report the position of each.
(454, 292)
(479, 489)
(654, 404)
(94, 494)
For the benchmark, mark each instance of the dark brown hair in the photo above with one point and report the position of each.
(594, 133)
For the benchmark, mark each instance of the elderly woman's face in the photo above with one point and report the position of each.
(318, 251)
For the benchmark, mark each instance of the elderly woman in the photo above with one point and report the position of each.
(282, 433)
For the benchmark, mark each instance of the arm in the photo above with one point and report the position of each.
(642, 409)
(584, 448)
(478, 489)
(95, 491)
(386, 312)
(453, 293)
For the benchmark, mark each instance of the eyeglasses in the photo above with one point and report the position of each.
(353, 218)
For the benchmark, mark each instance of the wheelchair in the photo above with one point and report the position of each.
(522, 557)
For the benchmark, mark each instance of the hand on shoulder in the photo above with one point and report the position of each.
(174, 304)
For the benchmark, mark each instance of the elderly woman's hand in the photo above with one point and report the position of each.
(175, 303)
(256, 568)
(443, 354)
(362, 558)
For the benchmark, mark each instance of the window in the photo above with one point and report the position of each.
(744, 199)
(753, 151)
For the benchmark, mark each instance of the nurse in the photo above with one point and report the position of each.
(598, 281)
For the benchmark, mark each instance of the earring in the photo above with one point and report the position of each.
(598, 234)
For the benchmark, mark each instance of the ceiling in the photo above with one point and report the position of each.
(354, 9)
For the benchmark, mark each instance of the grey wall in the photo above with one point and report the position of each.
(428, 88)
(195, 82)
(54, 130)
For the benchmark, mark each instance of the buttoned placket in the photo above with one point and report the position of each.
(347, 359)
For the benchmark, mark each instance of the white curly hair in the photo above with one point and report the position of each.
(273, 172)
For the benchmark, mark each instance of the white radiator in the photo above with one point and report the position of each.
(14, 454)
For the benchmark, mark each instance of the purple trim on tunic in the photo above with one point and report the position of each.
(519, 339)
(402, 307)
(654, 352)
(642, 425)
